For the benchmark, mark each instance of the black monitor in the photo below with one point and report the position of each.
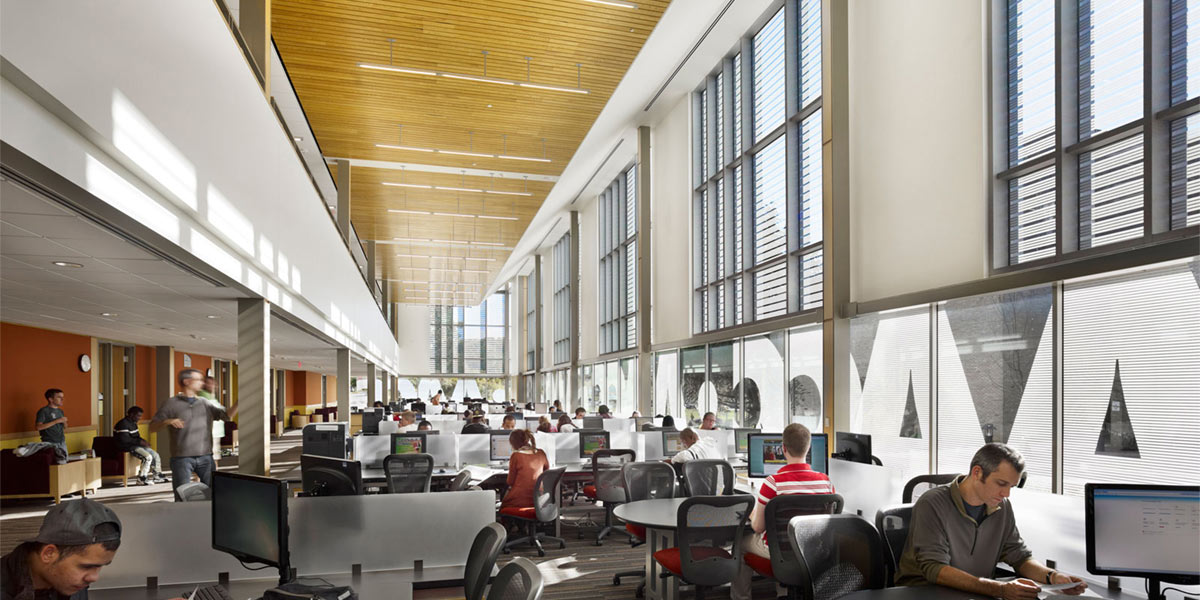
(516, 415)
(593, 422)
(250, 519)
(324, 476)
(1143, 531)
(854, 447)
(818, 453)
(741, 443)
(764, 454)
(591, 440)
(555, 414)
(499, 447)
(671, 444)
(326, 439)
(412, 442)
(417, 407)
(370, 421)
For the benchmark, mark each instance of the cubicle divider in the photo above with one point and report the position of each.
(172, 540)
(866, 487)
(473, 448)
(718, 440)
(371, 449)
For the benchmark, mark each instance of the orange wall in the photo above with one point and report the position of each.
(294, 391)
(32, 360)
(203, 363)
(330, 390)
(312, 385)
(144, 381)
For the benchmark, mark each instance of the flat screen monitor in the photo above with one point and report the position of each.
(516, 415)
(854, 447)
(1146, 531)
(531, 423)
(593, 422)
(325, 476)
(741, 442)
(499, 447)
(818, 453)
(764, 453)
(671, 443)
(408, 443)
(417, 407)
(250, 519)
(370, 421)
(592, 440)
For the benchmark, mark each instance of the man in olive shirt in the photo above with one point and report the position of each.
(51, 422)
(960, 531)
(189, 419)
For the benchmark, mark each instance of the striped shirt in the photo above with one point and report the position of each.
(796, 478)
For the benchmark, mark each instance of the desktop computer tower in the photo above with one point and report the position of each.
(327, 439)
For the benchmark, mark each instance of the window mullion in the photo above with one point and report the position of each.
(1066, 98)
(1157, 89)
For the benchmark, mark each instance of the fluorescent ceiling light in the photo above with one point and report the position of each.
(411, 240)
(463, 153)
(69, 265)
(442, 188)
(409, 148)
(484, 78)
(529, 158)
(408, 185)
(457, 189)
(618, 3)
(497, 217)
(410, 212)
(445, 258)
(396, 69)
(477, 78)
(552, 88)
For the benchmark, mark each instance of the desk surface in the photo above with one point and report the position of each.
(938, 592)
(655, 514)
(389, 585)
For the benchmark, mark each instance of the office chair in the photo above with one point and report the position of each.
(608, 484)
(408, 473)
(480, 560)
(708, 534)
(708, 477)
(932, 480)
(781, 565)
(518, 580)
(193, 491)
(461, 482)
(545, 509)
(892, 523)
(644, 481)
(838, 554)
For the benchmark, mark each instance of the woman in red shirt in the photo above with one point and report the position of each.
(524, 467)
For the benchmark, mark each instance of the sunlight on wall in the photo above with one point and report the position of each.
(115, 190)
(135, 136)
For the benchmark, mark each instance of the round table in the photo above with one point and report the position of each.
(651, 514)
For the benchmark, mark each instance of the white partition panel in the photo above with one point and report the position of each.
(444, 449)
(547, 442)
(172, 540)
(652, 444)
(473, 449)
(719, 440)
(387, 428)
(445, 423)
(616, 425)
(566, 445)
(370, 449)
(865, 487)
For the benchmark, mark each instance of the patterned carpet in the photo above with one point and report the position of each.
(581, 570)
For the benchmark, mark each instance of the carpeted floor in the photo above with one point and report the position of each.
(581, 570)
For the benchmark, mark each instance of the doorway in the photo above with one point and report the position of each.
(117, 390)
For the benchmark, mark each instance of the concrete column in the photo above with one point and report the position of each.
(253, 380)
(836, 256)
(343, 384)
(645, 279)
(538, 317)
(164, 387)
(254, 21)
(343, 199)
(369, 250)
(573, 371)
(385, 381)
(371, 384)
(519, 326)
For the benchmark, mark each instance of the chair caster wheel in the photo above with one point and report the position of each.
(562, 545)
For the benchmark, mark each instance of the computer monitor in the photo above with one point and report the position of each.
(741, 443)
(499, 447)
(764, 453)
(818, 453)
(324, 476)
(417, 407)
(326, 439)
(250, 519)
(516, 415)
(591, 440)
(593, 422)
(408, 443)
(854, 447)
(1143, 531)
(671, 444)
(370, 421)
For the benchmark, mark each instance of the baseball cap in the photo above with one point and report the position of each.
(74, 524)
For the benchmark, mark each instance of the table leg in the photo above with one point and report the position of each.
(659, 588)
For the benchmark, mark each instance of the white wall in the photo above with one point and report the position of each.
(589, 267)
(918, 145)
(670, 224)
(413, 320)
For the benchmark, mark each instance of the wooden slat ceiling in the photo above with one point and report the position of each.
(351, 109)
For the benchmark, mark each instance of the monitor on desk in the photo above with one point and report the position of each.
(499, 447)
(591, 440)
(408, 443)
(854, 447)
(370, 421)
(741, 439)
(596, 423)
(671, 444)
(818, 453)
(250, 519)
(1146, 531)
(764, 454)
(325, 476)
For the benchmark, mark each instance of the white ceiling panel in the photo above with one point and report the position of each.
(18, 199)
(57, 227)
(33, 248)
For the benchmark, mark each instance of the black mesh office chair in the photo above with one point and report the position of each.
(518, 580)
(545, 509)
(927, 481)
(644, 481)
(608, 484)
(892, 523)
(708, 535)
(408, 473)
(480, 560)
(708, 477)
(461, 482)
(838, 554)
(782, 563)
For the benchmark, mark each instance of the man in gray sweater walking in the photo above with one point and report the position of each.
(960, 531)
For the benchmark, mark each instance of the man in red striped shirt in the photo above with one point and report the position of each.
(796, 477)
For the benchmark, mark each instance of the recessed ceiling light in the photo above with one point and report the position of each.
(213, 317)
(297, 139)
(69, 265)
(489, 106)
(108, 314)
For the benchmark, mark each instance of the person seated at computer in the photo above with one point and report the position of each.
(605, 413)
(796, 477)
(709, 422)
(635, 415)
(545, 426)
(694, 447)
(378, 404)
(557, 406)
(424, 425)
(477, 425)
(960, 531)
(524, 467)
(509, 422)
(408, 421)
(668, 422)
(565, 425)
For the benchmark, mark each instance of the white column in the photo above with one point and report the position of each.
(253, 381)
(343, 384)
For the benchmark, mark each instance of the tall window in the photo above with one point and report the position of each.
(562, 300)
(469, 339)
(1074, 173)
(618, 263)
(531, 316)
(755, 130)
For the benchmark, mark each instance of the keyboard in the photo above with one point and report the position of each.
(212, 592)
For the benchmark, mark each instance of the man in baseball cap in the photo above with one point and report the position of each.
(76, 540)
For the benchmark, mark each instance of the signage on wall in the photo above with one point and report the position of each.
(187, 361)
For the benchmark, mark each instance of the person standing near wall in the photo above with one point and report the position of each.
(51, 421)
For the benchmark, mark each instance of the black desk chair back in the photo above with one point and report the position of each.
(892, 523)
(838, 554)
(408, 473)
(926, 482)
(784, 562)
(518, 580)
(461, 482)
(644, 481)
(708, 477)
(608, 484)
(708, 534)
(546, 501)
(480, 560)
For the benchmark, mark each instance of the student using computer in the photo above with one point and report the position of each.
(709, 422)
(694, 447)
(605, 413)
(796, 477)
(524, 467)
(960, 531)
(544, 425)
(477, 425)
(557, 406)
(565, 425)
(424, 425)
(509, 422)
(668, 422)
